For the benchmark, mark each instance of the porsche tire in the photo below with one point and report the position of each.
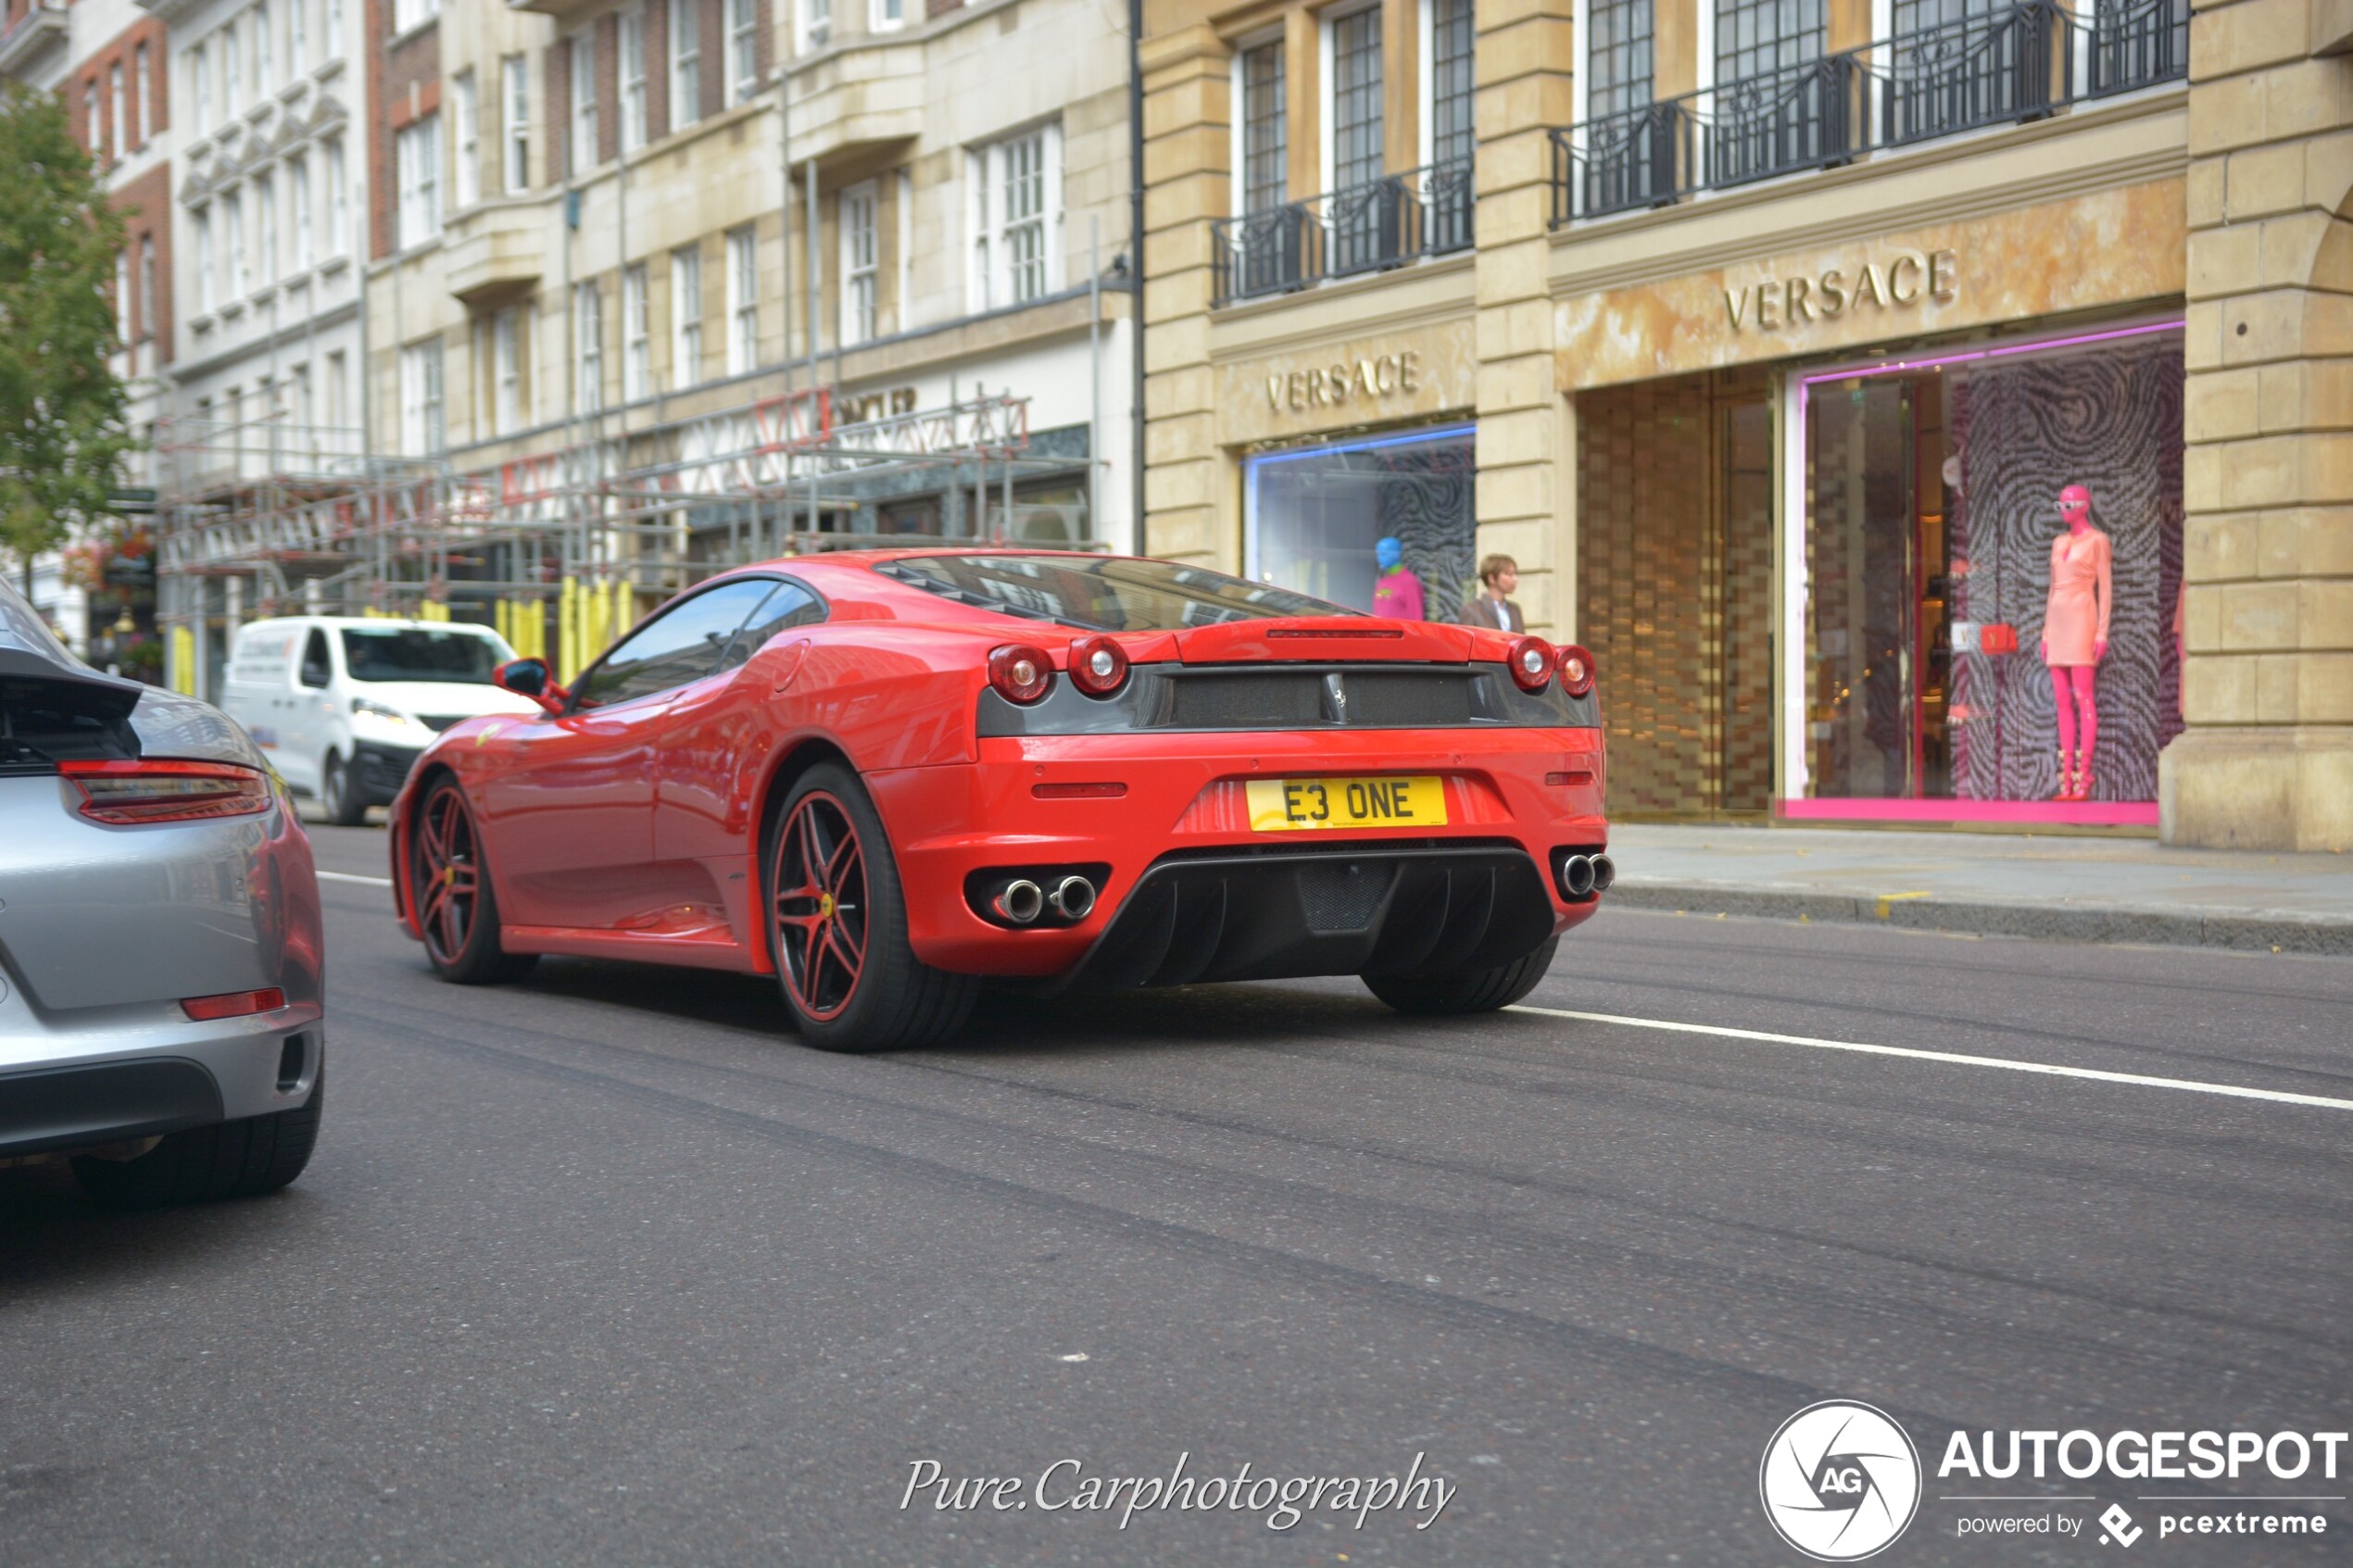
(449, 889)
(345, 808)
(246, 1157)
(1483, 990)
(836, 921)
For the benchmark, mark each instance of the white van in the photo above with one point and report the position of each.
(343, 705)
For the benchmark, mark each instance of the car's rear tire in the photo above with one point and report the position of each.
(836, 921)
(1480, 990)
(449, 889)
(343, 806)
(245, 1158)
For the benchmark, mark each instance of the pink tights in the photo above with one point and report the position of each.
(2071, 692)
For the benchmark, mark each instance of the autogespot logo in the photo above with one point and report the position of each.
(1840, 1481)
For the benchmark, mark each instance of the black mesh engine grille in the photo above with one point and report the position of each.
(1271, 699)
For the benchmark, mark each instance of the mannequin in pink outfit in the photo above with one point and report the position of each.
(2075, 626)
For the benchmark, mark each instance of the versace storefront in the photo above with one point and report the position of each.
(1911, 548)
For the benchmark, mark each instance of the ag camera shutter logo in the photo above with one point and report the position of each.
(1841, 1481)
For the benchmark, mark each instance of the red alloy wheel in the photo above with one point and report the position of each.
(820, 906)
(448, 874)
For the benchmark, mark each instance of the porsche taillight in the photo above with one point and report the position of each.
(232, 1004)
(1020, 673)
(1097, 665)
(160, 790)
(1577, 670)
(1531, 662)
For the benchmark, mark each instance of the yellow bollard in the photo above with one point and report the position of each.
(568, 630)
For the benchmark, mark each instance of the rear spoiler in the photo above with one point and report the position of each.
(54, 710)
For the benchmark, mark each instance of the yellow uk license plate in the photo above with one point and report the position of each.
(1305, 804)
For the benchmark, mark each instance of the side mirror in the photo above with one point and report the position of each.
(528, 677)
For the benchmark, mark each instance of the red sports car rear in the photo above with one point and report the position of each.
(889, 777)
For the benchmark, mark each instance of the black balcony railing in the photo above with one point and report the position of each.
(1986, 69)
(1365, 228)
(2008, 66)
(2139, 47)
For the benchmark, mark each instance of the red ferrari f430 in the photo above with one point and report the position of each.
(889, 778)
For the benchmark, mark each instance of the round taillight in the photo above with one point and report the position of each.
(1577, 670)
(1020, 673)
(1531, 662)
(1097, 665)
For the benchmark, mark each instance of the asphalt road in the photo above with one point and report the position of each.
(604, 1267)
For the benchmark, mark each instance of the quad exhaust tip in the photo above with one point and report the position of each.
(1073, 897)
(1578, 875)
(1023, 901)
(1604, 872)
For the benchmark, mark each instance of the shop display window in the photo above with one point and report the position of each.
(1315, 520)
(1942, 662)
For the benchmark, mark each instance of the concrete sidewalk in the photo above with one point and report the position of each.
(2081, 889)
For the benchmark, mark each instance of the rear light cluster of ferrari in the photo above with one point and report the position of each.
(1534, 662)
(1023, 674)
(136, 794)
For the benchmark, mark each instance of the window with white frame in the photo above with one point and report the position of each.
(505, 371)
(902, 247)
(685, 62)
(200, 79)
(743, 301)
(633, 78)
(115, 108)
(1262, 87)
(1450, 71)
(514, 108)
(1756, 38)
(636, 336)
(1356, 87)
(1617, 57)
(122, 296)
(1016, 217)
(262, 75)
(331, 36)
(146, 285)
(299, 217)
(338, 200)
(860, 279)
(206, 287)
(417, 154)
(466, 172)
(298, 52)
(582, 155)
(816, 23)
(238, 278)
(93, 129)
(232, 73)
(407, 14)
(143, 96)
(742, 49)
(885, 16)
(686, 316)
(265, 218)
(423, 432)
(587, 348)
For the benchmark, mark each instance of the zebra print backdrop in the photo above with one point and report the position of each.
(2108, 416)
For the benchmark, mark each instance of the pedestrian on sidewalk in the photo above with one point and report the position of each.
(1492, 606)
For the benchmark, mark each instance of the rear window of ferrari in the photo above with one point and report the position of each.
(1102, 594)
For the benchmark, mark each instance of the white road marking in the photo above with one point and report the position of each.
(1956, 1059)
(353, 876)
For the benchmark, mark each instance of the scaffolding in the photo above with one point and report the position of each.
(559, 550)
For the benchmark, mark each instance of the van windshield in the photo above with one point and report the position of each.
(409, 653)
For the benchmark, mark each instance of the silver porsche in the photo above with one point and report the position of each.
(161, 1015)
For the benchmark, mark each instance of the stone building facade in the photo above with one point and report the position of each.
(1769, 339)
(589, 232)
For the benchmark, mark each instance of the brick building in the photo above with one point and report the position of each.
(1767, 335)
